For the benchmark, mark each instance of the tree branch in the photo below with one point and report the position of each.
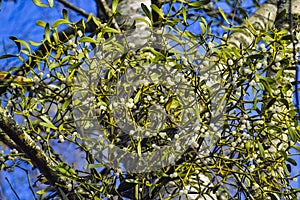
(40, 160)
(9, 142)
(74, 8)
(100, 10)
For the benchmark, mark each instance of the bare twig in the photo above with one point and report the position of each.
(12, 188)
(74, 8)
(243, 186)
(30, 184)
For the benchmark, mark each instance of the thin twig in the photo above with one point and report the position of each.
(74, 8)
(243, 186)
(30, 184)
(12, 188)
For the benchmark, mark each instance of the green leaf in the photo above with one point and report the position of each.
(158, 54)
(136, 191)
(93, 166)
(43, 5)
(248, 146)
(292, 161)
(87, 39)
(281, 15)
(51, 3)
(66, 104)
(47, 123)
(66, 169)
(45, 190)
(223, 15)
(114, 6)
(198, 4)
(24, 43)
(110, 30)
(171, 104)
(59, 22)
(157, 10)
(36, 44)
(285, 102)
(203, 27)
(261, 149)
(184, 15)
(137, 96)
(173, 38)
(247, 181)
(61, 128)
(139, 148)
(47, 32)
(41, 23)
(65, 14)
(293, 135)
(56, 37)
(279, 73)
(270, 103)
(221, 104)
(8, 56)
(147, 11)
(296, 147)
(243, 12)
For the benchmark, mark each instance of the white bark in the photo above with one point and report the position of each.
(262, 20)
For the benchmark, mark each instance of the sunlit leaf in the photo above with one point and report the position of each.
(60, 22)
(65, 14)
(223, 15)
(114, 6)
(47, 123)
(261, 149)
(43, 5)
(93, 166)
(41, 23)
(45, 190)
(157, 10)
(109, 30)
(87, 39)
(47, 32)
(24, 43)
